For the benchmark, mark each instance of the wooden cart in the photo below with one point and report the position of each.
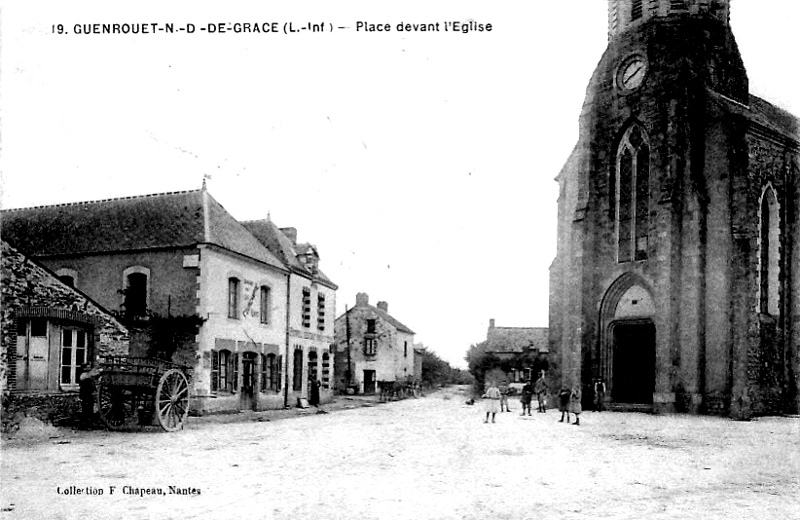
(136, 390)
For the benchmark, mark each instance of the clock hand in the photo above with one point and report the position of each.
(633, 73)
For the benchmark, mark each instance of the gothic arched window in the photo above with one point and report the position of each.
(632, 195)
(768, 253)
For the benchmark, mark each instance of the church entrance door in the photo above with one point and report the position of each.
(634, 362)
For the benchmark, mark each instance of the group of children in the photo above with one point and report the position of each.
(569, 401)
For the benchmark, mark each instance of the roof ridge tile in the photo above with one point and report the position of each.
(87, 202)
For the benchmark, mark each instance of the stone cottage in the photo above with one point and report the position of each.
(48, 330)
(372, 346)
(522, 349)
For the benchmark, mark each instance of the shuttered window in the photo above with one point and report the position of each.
(233, 298)
(214, 370)
(306, 308)
(636, 9)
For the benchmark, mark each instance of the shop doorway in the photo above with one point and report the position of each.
(248, 401)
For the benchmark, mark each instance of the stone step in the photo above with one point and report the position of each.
(630, 407)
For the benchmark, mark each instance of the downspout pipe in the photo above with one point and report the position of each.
(288, 313)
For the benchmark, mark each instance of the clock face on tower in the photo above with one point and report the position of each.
(631, 72)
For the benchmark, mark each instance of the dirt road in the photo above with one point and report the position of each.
(430, 458)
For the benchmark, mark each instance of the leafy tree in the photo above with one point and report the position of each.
(436, 371)
(481, 363)
(171, 338)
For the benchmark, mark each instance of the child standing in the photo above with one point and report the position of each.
(504, 391)
(575, 403)
(541, 392)
(492, 397)
(563, 403)
(526, 398)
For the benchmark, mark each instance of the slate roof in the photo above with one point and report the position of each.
(517, 339)
(396, 323)
(162, 220)
(763, 113)
(384, 315)
(13, 295)
(271, 236)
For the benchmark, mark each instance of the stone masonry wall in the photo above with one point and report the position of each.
(26, 287)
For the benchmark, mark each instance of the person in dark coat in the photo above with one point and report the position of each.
(313, 398)
(563, 403)
(86, 393)
(526, 397)
(599, 395)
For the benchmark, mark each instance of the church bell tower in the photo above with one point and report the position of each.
(654, 285)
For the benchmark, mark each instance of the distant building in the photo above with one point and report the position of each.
(372, 346)
(419, 354)
(523, 349)
(48, 331)
(182, 254)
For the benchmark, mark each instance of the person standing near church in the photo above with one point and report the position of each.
(563, 403)
(492, 397)
(526, 397)
(575, 404)
(504, 391)
(541, 392)
(599, 394)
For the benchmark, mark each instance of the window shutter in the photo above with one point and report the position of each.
(263, 372)
(235, 379)
(279, 376)
(214, 370)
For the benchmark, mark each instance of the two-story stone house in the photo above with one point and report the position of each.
(312, 307)
(176, 255)
(372, 346)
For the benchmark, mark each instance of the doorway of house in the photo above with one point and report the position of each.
(634, 362)
(248, 401)
(369, 381)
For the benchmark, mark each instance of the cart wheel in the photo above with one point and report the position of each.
(116, 405)
(172, 400)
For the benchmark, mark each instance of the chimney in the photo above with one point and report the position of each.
(291, 234)
(384, 307)
(362, 298)
(491, 323)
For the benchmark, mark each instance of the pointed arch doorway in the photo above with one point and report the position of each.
(626, 357)
(633, 363)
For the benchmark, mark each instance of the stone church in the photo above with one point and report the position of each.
(677, 273)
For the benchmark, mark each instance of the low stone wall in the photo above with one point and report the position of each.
(59, 409)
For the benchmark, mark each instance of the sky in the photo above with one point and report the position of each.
(420, 164)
